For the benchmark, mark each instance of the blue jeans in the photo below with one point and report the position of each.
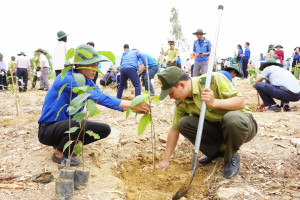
(129, 73)
(267, 92)
(152, 71)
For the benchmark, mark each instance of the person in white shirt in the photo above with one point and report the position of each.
(44, 64)
(282, 86)
(22, 66)
(59, 54)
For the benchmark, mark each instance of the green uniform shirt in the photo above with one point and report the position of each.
(160, 60)
(11, 66)
(172, 54)
(222, 88)
(36, 61)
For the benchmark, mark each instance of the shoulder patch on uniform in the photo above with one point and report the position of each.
(203, 80)
(177, 103)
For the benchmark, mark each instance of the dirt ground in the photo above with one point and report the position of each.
(119, 164)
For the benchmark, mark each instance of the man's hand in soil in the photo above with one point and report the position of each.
(163, 165)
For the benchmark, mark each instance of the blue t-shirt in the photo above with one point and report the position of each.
(296, 56)
(150, 60)
(247, 54)
(131, 59)
(240, 52)
(52, 105)
(262, 59)
(178, 60)
(203, 46)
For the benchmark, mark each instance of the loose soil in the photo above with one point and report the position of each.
(119, 164)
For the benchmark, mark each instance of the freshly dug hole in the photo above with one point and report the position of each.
(144, 183)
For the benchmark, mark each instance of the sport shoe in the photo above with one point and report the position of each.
(286, 107)
(231, 169)
(275, 108)
(63, 160)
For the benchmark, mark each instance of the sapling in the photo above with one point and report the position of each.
(254, 72)
(296, 70)
(15, 88)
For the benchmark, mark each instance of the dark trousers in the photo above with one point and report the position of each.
(3, 83)
(57, 72)
(245, 68)
(35, 78)
(267, 92)
(179, 65)
(152, 71)
(192, 68)
(234, 130)
(129, 73)
(10, 78)
(53, 134)
(105, 83)
(22, 74)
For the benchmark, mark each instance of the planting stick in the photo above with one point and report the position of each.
(184, 188)
(152, 126)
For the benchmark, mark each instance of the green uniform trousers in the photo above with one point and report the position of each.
(234, 129)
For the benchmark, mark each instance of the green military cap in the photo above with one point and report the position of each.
(40, 50)
(167, 79)
(13, 57)
(111, 69)
(83, 59)
(278, 45)
(171, 42)
(271, 46)
(261, 54)
(269, 62)
(118, 69)
(1, 55)
(236, 68)
(61, 34)
(22, 53)
(199, 31)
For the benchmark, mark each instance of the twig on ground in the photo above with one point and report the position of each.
(214, 169)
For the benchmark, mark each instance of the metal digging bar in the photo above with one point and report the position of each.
(186, 185)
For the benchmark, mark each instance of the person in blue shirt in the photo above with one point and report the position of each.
(92, 44)
(52, 126)
(178, 62)
(129, 67)
(246, 57)
(231, 72)
(239, 58)
(296, 57)
(153, 69)
(201, 49)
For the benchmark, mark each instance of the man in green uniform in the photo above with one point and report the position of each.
(10, 71)
(228, 121)
(172, 54)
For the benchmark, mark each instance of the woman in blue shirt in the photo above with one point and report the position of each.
(239, 58)
(296, 57)
(52, 127)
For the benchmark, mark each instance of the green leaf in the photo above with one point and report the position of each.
(77, 58)
(72, 130)
(70, 54)
(67, 144)
(80, 80)
(145, 120)
(146, 92)
(73, 110)
(83, 89)
(139, 99)
(85, 53)
(92, 134)
(128, 112)
(79, 117)
(61, 89)
(78, 147)
(64, 71)
(60, 110)
(91, 107)
(109, 55)
(156, 99)
(79, 99)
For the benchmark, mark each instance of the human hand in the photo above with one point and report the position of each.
(199, 55)
(163, 165)
(142, 108)
(207, 95)
(41, 69)
(262, 106)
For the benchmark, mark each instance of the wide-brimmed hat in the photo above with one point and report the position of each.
(61, 34)
(22, 53)
(13, 57)
(271, 46)
(83, 59)
(288, 59)
(167, 79)
(118, 69)
(234, 67)
(269, 62)
(199, 31)
(111, 69)
(1, 55)
(278, 45)
(261, 54)
(39, 50)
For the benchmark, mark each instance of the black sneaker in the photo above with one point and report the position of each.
(231, 169)
(275, 108)
(63, 160)
(286, 107)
